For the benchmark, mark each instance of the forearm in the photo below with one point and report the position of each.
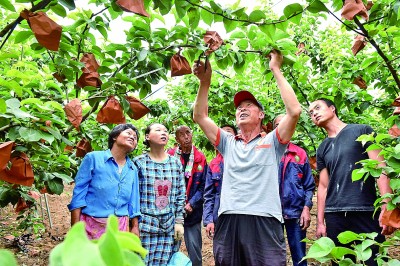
(292, 105)
(200, 108)
(383, 183)
(321, 198)
(134, 223)
(75, 216)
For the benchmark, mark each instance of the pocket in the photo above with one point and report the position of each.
(157, 224)
(265, 157)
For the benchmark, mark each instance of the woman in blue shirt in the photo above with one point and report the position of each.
(107, 183)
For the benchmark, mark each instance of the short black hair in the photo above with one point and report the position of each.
(233, 128)
(117, 130)
(147, 131)
(329, 103)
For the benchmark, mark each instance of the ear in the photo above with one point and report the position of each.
(146, 136)
(261, 115)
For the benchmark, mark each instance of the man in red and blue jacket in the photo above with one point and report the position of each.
(212, 190)
(195, 168)
(297, 186)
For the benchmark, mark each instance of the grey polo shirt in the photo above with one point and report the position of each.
(250, 184)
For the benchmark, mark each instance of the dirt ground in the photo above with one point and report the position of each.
(35, 250)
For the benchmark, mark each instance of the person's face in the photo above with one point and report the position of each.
(320, 112)
(277, 121)
(158, 135)
(184, 137)
(229, 130)
(127, 139)
(248, 113)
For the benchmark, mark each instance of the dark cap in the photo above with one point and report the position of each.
(246, 95)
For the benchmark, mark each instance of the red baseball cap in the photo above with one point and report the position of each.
(243, 96)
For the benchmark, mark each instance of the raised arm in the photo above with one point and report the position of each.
(200, 109)
(293, 108)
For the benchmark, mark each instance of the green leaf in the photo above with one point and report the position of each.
(7, 257)
(3, 106)
(22, 36)
(30, 134)
(55, 258)
(133, 259)
(269, 30)
(393, 162)
(103, 31)
(194, 17)
(7, 5)
(65, 178)
(55, 186)
(357, 174)
(110, 249)
(70, 4)
(348, 236)
(292, 9)
(340, 252)
(207, 17)
(321, 248)
(46, 136)
(395, 184)
(363, 250)
(317, 6)
(131, 241)
(143, 54)
(229, 25)
(85, 252)
(381, 137)
(242, 44)
(59, 10)
(257, 15)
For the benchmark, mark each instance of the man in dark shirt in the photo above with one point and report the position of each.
(344, 205)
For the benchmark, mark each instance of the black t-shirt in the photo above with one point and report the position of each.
(340, 156)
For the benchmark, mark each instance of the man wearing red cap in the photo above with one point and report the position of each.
(249, 227)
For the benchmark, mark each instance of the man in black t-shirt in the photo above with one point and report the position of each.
(344, 205)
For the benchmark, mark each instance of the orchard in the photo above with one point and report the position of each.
(65, 81)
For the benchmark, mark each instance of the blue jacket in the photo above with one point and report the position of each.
(195, 186)
(295, 181)
(212, 190)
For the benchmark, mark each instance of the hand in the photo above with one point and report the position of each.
(321, 230)
(179, 231)
(188, 208)
(386, 229)
(305, 218)
(210, 230)
(276, 60)
(201, 72)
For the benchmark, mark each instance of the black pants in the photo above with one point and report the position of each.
(357, 222)
(249, 240)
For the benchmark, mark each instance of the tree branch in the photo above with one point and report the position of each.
(298, 87)
(244, 20)
(380, 52)
(347, 26)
